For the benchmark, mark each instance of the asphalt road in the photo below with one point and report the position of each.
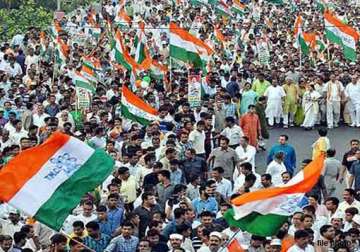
(302, 141)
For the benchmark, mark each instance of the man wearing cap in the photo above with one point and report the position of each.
(176, 241)
(215, 242)
(275, 245)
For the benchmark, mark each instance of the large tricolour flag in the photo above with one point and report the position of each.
(263, 212)
(48, 181)
(342, 34)
(187, 48)
(135, 109)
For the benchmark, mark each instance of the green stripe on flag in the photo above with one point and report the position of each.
(279, 2)
(186, 56)
(304, 47)
(85, 85)
(332, 37)
(119, 57)
(127, 114)
(257, 224)
(237, 10)
(94, 171)
(349, 53)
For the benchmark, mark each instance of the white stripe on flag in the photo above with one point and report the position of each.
(68, 159)
(179, 42)
(284, 204)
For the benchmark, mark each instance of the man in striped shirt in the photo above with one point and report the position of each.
(96, 240)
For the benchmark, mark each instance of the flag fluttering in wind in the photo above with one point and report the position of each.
(238, 7)
(222, 9)
(263, 212)
(94, 28)
(142, 55)
(120, 55)
(342, 34)
(187, 48)
(122, 18)
(55, 29)
(48, 181)
(218, 35)
(81, 81)
(135, 109)
(90, 67)
(299, 36)
(62, 51)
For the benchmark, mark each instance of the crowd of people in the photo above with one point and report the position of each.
(174, 178)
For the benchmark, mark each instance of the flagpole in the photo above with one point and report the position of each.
(228, 242)
(328, 53)
(300, 58)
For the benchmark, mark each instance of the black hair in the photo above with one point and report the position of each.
(79, 224)
(322, 132)
(219, 169)
(301, 234)
(93, 225)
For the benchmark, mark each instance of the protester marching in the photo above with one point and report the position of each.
(138, 126)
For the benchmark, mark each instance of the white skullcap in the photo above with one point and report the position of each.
(176, 236)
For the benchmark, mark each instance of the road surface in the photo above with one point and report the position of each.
(302, 141)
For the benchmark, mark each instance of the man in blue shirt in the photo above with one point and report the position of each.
(125, 242)
(288, 150)
(114, 213)
(96, 240)
(105, 226)
(204, 202)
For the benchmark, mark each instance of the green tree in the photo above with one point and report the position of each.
(19, 20)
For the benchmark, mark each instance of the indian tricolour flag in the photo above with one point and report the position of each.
(122, 19)
(187, 48)
(142, 55)
(81, 81)
(157, 70)
(299, 36)
(222, 9)
(263, 212)
(120, 55)
(48, 181)
(61, 51)
(203, 2)
(322, 5)
(90, 67)
(342, 34)
(55, 29)
(94, 29)
(218, 35)
(238, 7)
(135, 109)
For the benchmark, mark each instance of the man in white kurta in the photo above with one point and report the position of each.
(352, 92)
(334, 89)
(275, 95)
(246, 153)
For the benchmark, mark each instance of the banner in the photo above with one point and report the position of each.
(83, 98)
(194, 91)
(263, 51)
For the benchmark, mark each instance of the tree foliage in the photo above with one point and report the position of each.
(16, 16)
(14, 21)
